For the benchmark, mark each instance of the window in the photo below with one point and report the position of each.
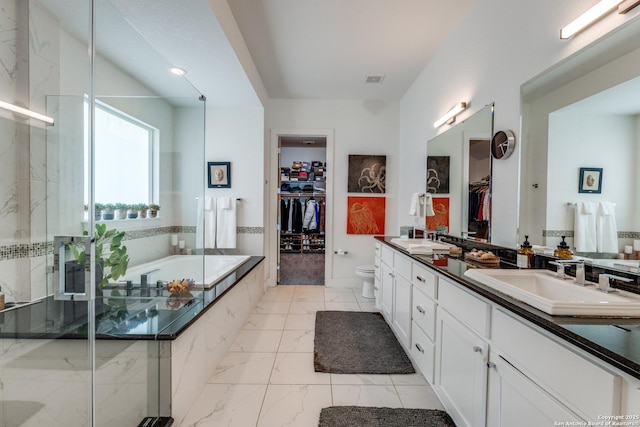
(123, 166)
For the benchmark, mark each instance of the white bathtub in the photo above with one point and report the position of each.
(186, 267)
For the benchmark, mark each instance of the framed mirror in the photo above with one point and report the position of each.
(459, 177)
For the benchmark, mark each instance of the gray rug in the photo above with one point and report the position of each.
(360, 416)
(350, 342)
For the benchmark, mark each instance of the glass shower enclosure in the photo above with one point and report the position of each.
(102, 179)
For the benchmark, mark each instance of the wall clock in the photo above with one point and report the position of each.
(502, 144)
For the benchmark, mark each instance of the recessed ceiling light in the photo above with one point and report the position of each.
(178, 71)
(374, 79)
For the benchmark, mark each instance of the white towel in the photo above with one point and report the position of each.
(428, 205)
(206, 225)
(415, 205)
(607, 230)
(226, 223)
(584, 228)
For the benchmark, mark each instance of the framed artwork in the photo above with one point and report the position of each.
(590, 180)
(438, 168)
(440, 221)
(365, 215)
(219, 174)
(366, 174)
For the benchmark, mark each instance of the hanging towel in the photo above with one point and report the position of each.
(415, 204)
(607, 231)
(427, 200)
(226, 223)
(206, 225)
(584, 228)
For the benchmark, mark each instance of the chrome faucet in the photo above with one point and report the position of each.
(144, 278)
(580, 278)
(604, 282)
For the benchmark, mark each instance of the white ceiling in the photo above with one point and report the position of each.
(315, 49)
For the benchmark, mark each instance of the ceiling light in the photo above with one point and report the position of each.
(178, 71)
(588, 18)
(450, 117)
(308, 142)
(374, 79)
(26, 112)
(627, 5)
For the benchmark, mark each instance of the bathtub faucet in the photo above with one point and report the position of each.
(144, 278)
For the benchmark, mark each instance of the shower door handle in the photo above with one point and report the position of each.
(73, 283)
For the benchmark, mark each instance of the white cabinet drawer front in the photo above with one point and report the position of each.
(402, 266)
(424, 313)
(376, 266)
(585, 388)
(470, 310)
(387, 255)
(377, 249)
(424, 279)
(423, 352)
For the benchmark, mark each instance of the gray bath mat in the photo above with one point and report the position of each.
(360, 416)
(351, 342)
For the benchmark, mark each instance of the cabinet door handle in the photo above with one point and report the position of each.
(477, 349)
(421, 279)
(391, 274)
(419, 347)
(491, 365)
(375, 288)
(420, 309)
(375, 266)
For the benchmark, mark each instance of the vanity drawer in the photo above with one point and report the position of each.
(387, 255)
(425, 280)
(402, 266)
(376, 267)
(584, 387)
(423, 352)
(424, 313)
(470, 310)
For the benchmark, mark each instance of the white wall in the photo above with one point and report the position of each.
(498, 46)
(360, 127)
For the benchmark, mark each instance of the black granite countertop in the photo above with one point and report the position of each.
(152, 314)
(616, 341)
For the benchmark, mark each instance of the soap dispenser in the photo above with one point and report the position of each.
(563, 250)
(524, 255)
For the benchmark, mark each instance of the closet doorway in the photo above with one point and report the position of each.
(302, 209)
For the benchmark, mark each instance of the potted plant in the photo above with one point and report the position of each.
(132, 211)
(121, 210)
(152, 212)
(108, 211)
(142, 210)
(97, 209)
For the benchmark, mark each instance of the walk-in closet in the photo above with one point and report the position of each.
(479, 188)
(302, 210)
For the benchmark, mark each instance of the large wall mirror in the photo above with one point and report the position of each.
(459, 176)
(584, 114)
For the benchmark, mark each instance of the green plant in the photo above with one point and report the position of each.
(140, 207)
(99, 206)
(120, 205)
(109, 207)
(114, 261)
(154, 207)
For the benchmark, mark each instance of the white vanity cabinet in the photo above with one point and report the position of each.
(423, 315)
(377, 266)
(462, 354)
(395, 293)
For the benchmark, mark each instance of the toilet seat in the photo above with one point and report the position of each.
(366, 269)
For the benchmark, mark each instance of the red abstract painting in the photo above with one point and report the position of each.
(365, 215)
(441, 219)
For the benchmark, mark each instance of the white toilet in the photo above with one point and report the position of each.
(367, 273)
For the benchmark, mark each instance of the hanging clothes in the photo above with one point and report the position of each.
(284, 215)
(309, 222)
(297, 216)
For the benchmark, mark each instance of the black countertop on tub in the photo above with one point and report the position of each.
(153, 314)
(616, 341)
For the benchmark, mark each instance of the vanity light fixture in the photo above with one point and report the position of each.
(26, 112)
(450, 117)
(178, 71)
(589, 17)
(627, 5)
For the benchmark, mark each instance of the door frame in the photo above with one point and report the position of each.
(272, 195)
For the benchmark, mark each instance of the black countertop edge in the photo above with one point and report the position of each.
(535, 316)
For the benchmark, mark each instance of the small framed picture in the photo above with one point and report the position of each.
(590, 180)
(219, 174)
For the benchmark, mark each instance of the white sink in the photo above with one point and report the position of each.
(421, 246)
(542, 290)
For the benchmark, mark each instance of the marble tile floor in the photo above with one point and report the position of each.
(266, 379)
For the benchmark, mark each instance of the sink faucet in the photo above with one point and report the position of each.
(144, 278)
(580, 278)
(604, 282)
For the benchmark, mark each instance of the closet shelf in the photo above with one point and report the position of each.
(309, 194)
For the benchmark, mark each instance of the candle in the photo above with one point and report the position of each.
(636, 245)
(174, 239)
(181, 244)
(628, 249)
